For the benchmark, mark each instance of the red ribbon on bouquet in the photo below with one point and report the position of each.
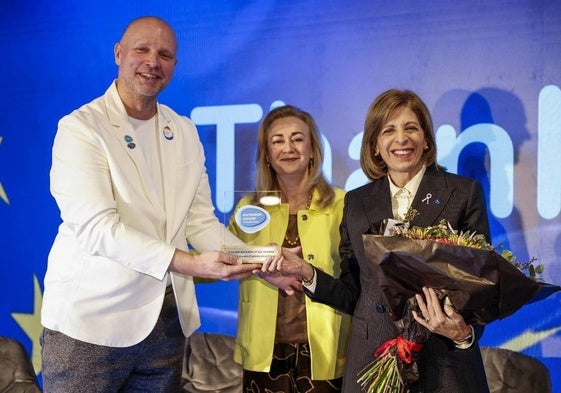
(404, 348)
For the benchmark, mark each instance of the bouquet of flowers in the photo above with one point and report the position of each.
(481, 283)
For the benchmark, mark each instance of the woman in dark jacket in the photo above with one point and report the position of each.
(399, 155)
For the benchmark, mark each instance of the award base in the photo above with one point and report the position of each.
(252, 254)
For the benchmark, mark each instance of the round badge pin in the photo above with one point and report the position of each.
(168, 134)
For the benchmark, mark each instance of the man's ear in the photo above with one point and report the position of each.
(117, 52)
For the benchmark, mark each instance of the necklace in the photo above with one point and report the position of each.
(292, 243)
(296, 240)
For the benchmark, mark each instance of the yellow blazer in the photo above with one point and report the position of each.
(328, 329)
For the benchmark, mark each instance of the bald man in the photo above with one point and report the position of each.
(129, 178)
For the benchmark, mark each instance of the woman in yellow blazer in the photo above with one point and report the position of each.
(288, 342)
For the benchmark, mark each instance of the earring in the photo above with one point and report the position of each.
(376, 154)
(426, 147)
(311, 163)
(268, 164)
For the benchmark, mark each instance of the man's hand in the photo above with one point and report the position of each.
(211, 264)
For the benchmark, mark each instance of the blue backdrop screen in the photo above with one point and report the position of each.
(488, 71)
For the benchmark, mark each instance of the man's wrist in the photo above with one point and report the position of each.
(181, 262)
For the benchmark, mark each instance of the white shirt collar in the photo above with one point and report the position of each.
(412, 185)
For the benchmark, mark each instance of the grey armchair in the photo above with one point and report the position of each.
(16, 371)
(514, 372)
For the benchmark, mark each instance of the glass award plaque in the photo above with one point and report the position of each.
(252, 220)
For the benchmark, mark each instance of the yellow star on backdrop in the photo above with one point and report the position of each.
(31, 325)
(529, 338)
(2, 192)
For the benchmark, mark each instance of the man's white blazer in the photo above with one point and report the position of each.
(107, 269)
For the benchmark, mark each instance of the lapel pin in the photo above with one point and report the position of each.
(168, 134)
(427, 198)
(130, 143)
(437, 201)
